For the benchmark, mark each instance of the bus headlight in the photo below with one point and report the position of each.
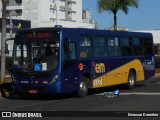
(54, 79)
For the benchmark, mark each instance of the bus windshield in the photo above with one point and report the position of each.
(36, 56)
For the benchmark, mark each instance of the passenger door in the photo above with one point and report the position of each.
(70, 68)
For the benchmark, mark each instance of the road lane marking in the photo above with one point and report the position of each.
(140, 93)
(135, 93)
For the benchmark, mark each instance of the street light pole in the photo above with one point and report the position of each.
(3, 38)
(10, 25)
(11, 13)
(115, 17)
(56, 14)
(55, 6)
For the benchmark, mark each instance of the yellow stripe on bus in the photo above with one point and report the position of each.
(119, 75)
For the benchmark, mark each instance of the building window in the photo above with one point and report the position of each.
(34, 0)
(27, 11)
(51, 20)
(35, 10)
(35, 21)
(27, 1)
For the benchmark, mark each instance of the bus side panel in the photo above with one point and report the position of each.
(70, 79)
(99, 68)
(149, 67)
(119, 73)
(84, 69)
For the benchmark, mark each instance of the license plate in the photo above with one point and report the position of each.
(33, 91)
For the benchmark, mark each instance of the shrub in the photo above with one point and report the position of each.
(8, 64)
(157, 61)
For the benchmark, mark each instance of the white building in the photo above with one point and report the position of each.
(155, 33)
(48, 13)
(87, 16)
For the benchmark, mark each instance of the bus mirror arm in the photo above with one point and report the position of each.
(6, 45)
(68, 46)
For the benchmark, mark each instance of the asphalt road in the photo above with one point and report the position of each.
(144, 97)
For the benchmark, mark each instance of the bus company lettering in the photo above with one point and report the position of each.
(100, 68)
(98, 82)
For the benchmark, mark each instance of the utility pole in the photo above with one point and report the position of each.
(11, 13)
(55, 7)
(115, 17)
(56, 15)
(10, 25)
(3, 38)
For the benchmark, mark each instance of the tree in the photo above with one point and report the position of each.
(3, 38)
(115, 5)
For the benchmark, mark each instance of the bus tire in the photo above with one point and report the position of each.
(131, 80)
(83, 88)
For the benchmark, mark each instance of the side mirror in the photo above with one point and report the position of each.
(57, 47)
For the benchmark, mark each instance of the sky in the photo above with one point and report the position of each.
(146, 17)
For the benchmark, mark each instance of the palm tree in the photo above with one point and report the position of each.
(3, 38)
(115, 5)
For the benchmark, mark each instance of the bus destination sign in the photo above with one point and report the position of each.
(38, 35)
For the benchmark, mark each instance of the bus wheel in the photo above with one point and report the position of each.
(83, 89)
(131, 80)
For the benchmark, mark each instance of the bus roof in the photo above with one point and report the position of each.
(89, 31)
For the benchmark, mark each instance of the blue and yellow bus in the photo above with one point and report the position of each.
(65, 60)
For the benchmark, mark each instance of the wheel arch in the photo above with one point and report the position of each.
(87, 77)
(134, 71)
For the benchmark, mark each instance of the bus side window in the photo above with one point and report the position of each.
(71, 53)
(100, 47)
(148, 46)
(85, 47)
(113, 46)
(126, 49)
(137, 47)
